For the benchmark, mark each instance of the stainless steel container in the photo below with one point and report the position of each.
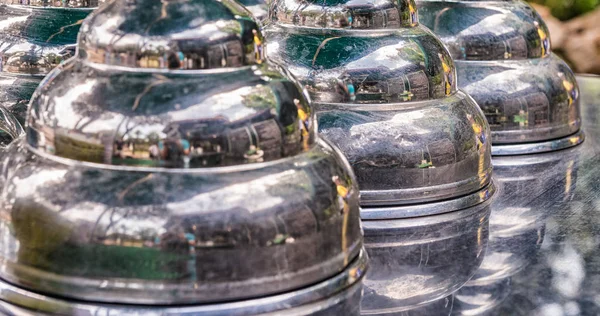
(504, 61)
(384, 90)
(516, 227)
(35, 37)
(169, 163)
(415, 262)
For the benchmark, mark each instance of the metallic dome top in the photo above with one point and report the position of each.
(347, 14)
(362, 51)
(176, 84)
(172, 35)
(488, 30)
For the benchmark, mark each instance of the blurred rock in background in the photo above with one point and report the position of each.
(575, 31)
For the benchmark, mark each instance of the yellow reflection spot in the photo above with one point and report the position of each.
(413, 11)
(258, 47)
(574, 140)
(543, 37)
(569, 178)
(569, 87)
(480, 141)
(304, 121)
(343, 193)
(447, 74)
(411, 8)
(354, 274)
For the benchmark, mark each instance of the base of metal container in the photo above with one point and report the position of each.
(339, 295)
(538, 147)
(426, 209)
(415, 262)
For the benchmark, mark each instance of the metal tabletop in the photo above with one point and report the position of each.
(535, 250)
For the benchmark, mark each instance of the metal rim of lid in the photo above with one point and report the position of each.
(539, 147)
(427, 209)
(412, 196)
(326, 292)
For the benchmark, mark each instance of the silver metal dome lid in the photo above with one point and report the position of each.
(384, 89)
(172, 35)
(503, 56)
(35, 37)
(174, 84)
(140, 184)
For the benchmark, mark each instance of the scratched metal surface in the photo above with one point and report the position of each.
(384, 91)
(196, 105)
(540, 239)
(35, 37)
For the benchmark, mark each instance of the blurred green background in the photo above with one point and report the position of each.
(568, 9)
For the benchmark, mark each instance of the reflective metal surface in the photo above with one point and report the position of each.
(339, 295)
(487, 30)
(517, 225)
(259, 8)
(543, 248)
(35, 37)
(171, 237)
(441, 307)
(141, 184)
(542, 92)
(203, 101)
(184, 36)
(385, 93)
(10, 128)
(504, 61)
(420, 260)
(415, 210)
(171, 119)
